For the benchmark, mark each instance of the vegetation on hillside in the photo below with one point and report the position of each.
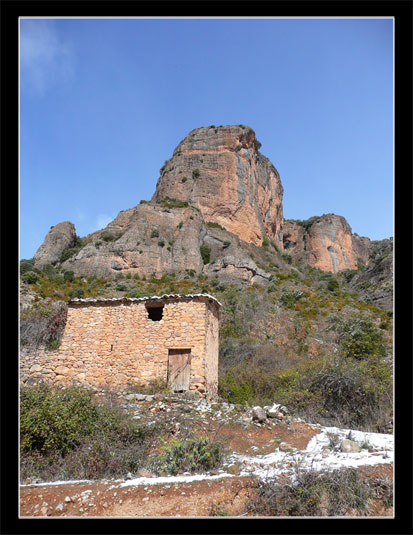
(70, 433)
(305, 340)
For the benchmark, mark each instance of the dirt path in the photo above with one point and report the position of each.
(218, 497)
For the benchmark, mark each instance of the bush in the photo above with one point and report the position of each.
(333, 285)
(265, 241)
(107, 236)
(235, 391)
(355, 394)
(136, 292)
(205, 254)
(335, 493)
(26, 265)
(53, 422)
(121, 288)
(67, 434)
(189, 455)
(290, 297)
(212, 224)
(69, 276)
(196, 174)
(358, 337)
(30, 277)
(169, 202)
(155, 234)
(77, 292)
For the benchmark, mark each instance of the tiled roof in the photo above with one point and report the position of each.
(146, 298)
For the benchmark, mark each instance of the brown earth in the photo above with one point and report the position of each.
(226, 496)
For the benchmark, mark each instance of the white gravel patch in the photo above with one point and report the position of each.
(316, 457)
(171, 479)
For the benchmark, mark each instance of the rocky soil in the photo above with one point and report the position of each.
(261, 442)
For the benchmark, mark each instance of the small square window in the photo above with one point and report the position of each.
(155, 313)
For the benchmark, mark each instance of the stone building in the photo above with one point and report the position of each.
(122, 342)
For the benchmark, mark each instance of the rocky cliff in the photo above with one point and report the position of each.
(221, 171)
(217, 210)
(325, 242)
(59, 238)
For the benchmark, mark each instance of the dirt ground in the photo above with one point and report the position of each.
(223, 496)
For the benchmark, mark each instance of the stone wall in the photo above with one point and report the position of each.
(115, 344)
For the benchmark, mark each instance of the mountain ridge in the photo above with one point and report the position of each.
(217, 210)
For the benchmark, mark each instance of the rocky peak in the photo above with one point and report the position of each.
(59, 238)
(220, 171)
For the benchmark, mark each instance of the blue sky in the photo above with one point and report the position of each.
(104, 102)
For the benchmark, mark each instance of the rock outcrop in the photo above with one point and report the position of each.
(59, 238)
(217, 197)
(153, 240)
(374, 283)
(221, 171)
(325, 242)
(147, 239)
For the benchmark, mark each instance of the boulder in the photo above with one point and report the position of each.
(259, 414)
(349, 446)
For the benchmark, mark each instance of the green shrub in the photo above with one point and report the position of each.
(136, 292)
(26, 265)
(69, 276)
(205, 253)
(121, 287)
(107, 236)
(155, 233)
(212, 224)
(189, 455)
(53, 344)
(287, 258)
(53, 421)
(77, 292)
(333, 285)
(358, 337)
(233, 390)
(184, 179)
(30, 277)
(196, 174)
(68, 434)
(169, 202)
(265, 241)
(290, 297)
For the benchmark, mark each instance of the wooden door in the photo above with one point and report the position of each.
(179, 368)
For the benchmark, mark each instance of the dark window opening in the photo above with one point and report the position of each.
(155, 313)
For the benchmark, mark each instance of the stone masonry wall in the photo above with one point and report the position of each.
(115, 344)
(212, 349)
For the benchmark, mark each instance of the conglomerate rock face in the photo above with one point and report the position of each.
(221, 171)
(59, 238)
(216, 192)
(325, 242)
(147, 239)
